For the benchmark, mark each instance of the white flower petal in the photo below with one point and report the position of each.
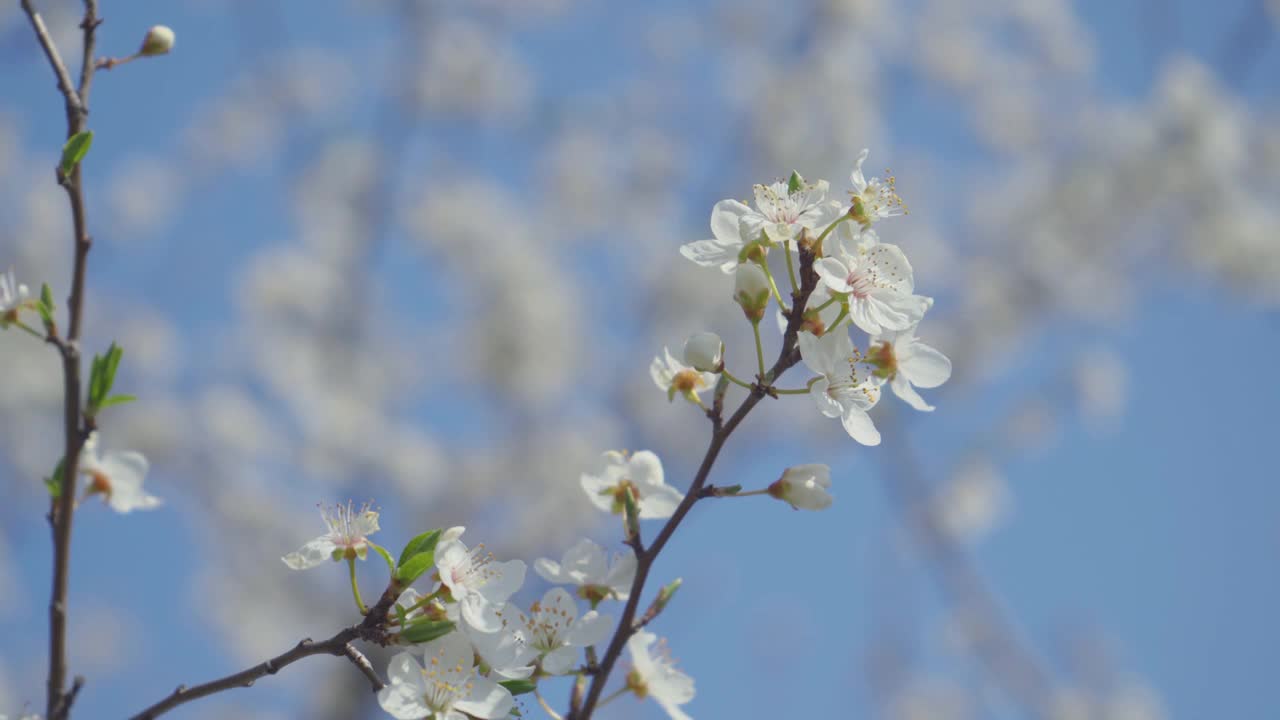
(860, 426)
(925, 366)
(312, 554)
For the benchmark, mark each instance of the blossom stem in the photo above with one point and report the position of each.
(30, 330)
(612, 696)
(355, 587)
(826, 304)
(746, 493)
(797, 391)
(755, 328)
(735, 380)
(791, 268)
(844, 313)
(541, 701)
(773, 286)
(817, 244)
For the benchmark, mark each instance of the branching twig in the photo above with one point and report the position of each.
(721, 430)
(58, 701)
(372, 629)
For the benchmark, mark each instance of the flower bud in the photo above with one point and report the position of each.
(158, 41)
(704, 351)
(751, 291)
(804, 487)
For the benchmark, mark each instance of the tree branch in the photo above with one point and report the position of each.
(371, 629)
(58, 701)
(787, 357)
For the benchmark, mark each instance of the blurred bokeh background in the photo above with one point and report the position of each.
(422, 252)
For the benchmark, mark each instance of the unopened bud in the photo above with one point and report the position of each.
(804, 487)
(666, 593)
(751, 291)
(159, 41)
(704, 351)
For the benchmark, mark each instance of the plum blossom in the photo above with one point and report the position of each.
(847, 388)
(656, 676)
(873, 199)
(446, 686)
(584, 565)
(12, 297)
(804, 487)
(478, 583)
(878, 281)
(672, 376)
(904, 361)
(347, 538)
(783, 209)
(558, 634)
(642, 474)
(704, 351)
(117, 476)
(509, 650)
(732, 236)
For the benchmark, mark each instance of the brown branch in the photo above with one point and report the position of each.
(58, 701)
(720, 432)
(371, 629)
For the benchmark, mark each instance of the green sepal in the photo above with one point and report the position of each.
(424, 631)
(74, 151)
(795, 183)
(46, 307)
(519, 687)
(386, 555)
(116, 400)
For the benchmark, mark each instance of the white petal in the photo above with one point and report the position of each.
(549, 570)
(646, 470)
(925, 366)
(125, 469)
(487, 700)
(660, 503)
(726, 222)
(560, 605)
(479, 613)
(826, 405)
(507, 578)
(312, 554)
(560, 660)
(860, 426)
(834, 273)
(903, 389)
(709, 253)
(856, 179)
(591, 629)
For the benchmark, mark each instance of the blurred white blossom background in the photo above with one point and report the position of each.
(421, 252)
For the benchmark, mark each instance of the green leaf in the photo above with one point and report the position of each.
(53, 483)
(46, 297)
(424, 631)
(426, 542)
(391, 564)
(74, 151)
(413, 569)
(519, 687)
(116, 400)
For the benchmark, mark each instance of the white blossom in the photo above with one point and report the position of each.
(478, 583)
(12, 296)
(704, 351)
(642, 474)
(902, 359)
(672, 376)
(445, 686)
(873, 199)
(558, 634)
(656, 676)
(804, 487)
(878, 281)
(117, 476)
(846, 388)
(347, 538)
(585, 566)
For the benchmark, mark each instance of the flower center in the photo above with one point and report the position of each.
(687, 381)
(99, 483)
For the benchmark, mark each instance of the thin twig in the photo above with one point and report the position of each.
(787, 357)
(371, 629)
(58, 701)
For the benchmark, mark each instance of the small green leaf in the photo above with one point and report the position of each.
(794, 183)
(519, 687)
(413, 569)
(391, 564)
(424, 631)
(46, 297)
(116, 400)
(426, 542)
(53, 484)
(74, 151)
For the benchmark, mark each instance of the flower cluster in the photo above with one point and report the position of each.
(863, 284)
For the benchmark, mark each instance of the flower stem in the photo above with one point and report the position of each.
(817, 244)
(547, 708)
(826, 304)
(735, 380)
(791, 268)
(797, 391)
(844, 313)
(772, 285)
(755, 328)
(30, 330)
(612, 696)
(355, 587)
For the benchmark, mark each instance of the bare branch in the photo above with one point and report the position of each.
(55, 60)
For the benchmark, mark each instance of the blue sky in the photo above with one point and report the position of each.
(1159, 535)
